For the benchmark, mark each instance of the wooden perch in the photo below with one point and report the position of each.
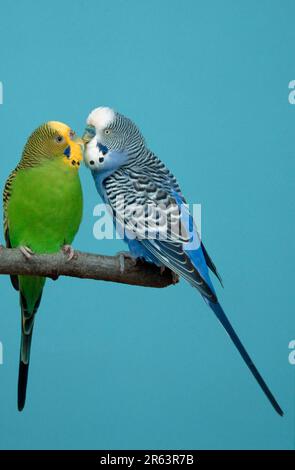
(85, 266)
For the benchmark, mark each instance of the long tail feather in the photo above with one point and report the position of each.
(217, 309)
(23, 372)
(25, 349)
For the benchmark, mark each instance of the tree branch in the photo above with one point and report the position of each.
(84, 266)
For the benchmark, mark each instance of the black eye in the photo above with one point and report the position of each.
(59, 139)
(107, 131)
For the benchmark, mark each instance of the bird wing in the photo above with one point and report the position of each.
(149, 211)
(190, 221)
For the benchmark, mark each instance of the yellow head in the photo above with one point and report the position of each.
(66, 142)
(53, 141)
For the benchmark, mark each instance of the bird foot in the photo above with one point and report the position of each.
(175, 277)
(26, 251)
(69, 251)
(125, 255)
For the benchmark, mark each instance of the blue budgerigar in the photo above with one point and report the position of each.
(147, 203)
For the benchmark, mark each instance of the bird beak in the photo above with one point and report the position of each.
(78, 140)
(87, 136)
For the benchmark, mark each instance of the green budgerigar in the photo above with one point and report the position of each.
(42, 212)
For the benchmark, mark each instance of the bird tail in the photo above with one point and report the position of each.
(217, 309)
(28, 313)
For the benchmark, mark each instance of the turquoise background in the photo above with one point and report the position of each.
(116, 366)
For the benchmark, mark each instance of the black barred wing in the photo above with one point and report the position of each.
(147, 211)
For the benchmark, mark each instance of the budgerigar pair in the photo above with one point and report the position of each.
(43, 209)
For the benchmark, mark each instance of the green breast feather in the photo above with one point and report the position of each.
(45, 207)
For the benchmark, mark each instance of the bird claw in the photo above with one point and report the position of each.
(68, 250)
(175, 277)
(26, 251)
(125, 255)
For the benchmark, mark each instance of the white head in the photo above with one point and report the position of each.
(101, 118)
(110, 138)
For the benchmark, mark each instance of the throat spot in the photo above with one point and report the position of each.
(102, 148)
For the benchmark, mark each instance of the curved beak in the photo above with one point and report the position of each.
(78, 140)
(88, 135)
